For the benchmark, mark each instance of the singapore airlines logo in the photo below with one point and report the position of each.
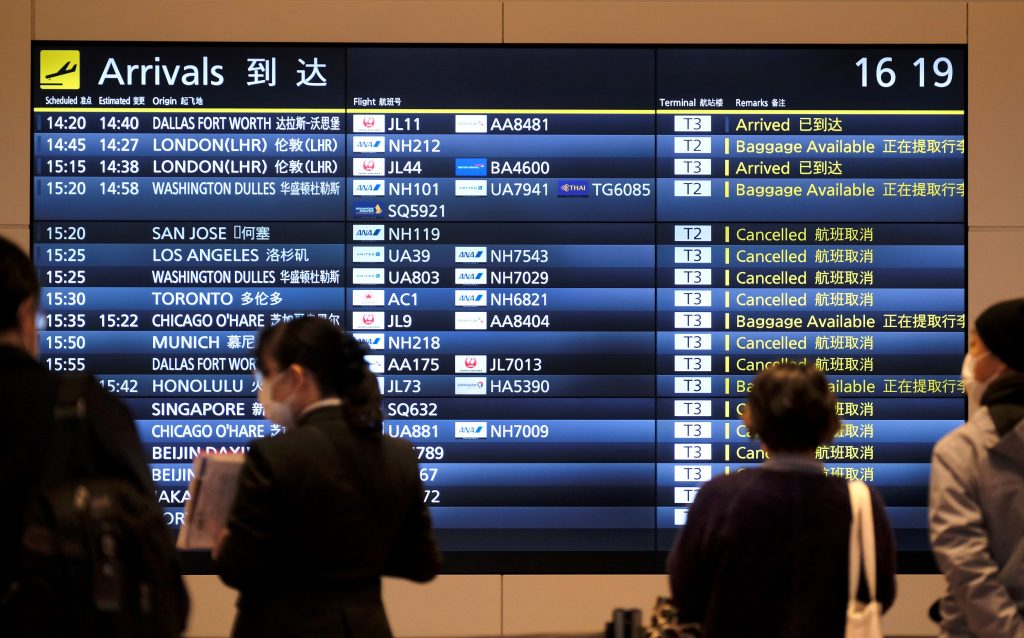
(59, 70)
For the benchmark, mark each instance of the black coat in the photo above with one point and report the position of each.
(28, 393)
(322, 512)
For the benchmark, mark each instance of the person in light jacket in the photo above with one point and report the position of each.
(976, 497)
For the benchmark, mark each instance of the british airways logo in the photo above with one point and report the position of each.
(471, 166)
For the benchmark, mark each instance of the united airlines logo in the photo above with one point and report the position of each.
(367, 233)
(368, 187)
(470, 363)
(470, 254)
(471, 429)
(368, 254)
(368, 276)
(368, 123)
(471, 166)
(368, 144)
(471, 188)
(573, 188)
(373, 166)
(470, 276)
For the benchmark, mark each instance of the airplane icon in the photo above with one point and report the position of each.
(64, 70)
(59, 70)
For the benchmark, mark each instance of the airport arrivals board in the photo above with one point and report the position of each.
(568, 263)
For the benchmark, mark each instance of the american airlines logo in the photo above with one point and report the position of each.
(470, 276)
(367, 297)
(376, 363)
(471, 386)
(471, 321)
(368, 187)
(368, 320)
(470, 254)
(368, 123)
(367, 233)
(368, 144)
(475, 298)
(368, 166)
(470, 363)
(372, 341)
(471, 429)
(471, 123)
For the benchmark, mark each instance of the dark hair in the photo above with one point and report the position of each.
(792, 409)
(336, 360)
(18, 281)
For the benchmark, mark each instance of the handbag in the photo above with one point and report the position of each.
(863, 620)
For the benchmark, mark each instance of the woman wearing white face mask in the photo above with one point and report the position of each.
(976, 496)
(327, 508)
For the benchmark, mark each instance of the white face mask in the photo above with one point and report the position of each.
(975, 388)
(279, 412)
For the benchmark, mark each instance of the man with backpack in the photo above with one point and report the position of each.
(83, 547)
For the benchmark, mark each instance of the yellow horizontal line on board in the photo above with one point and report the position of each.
(170, 109)
(801, 112)
(502, 111)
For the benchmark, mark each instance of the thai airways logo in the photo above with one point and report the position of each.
(471, 166)
(470, 254)
(367, 297)
(474, 298)
(471, 321)
(368, 187)
(470, 276)
(470, 123)
(471, 429)
(368, 254)
(368, 320)
(471, 188)
(573, 188)
(368, 144)
(471, 386)
(367, 233)
(368, 123)
(376, 362)
(59, 70)
(470, 363)
(373, 341)
(367, 210)
(367, 276)
(373, 166)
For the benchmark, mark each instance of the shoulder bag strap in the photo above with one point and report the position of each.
(862, 541)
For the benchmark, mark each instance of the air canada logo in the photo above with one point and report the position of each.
(59, 70)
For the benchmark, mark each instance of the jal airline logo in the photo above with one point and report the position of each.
(368, 144)
(470, 363)
(368, 254)
(471, 188)
(471, 386)
(368, 320)
(470, 276)
(373, 341)
(368, 123)
(474, 299)
(470, 254)
(470, 124)
(376, 363)
(471, 321)
(367, 276)
(373, 166)
(471, 429)
(367, 187)
(367, 233)
(367, 297)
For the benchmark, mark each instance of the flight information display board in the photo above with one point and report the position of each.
(568, 263)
